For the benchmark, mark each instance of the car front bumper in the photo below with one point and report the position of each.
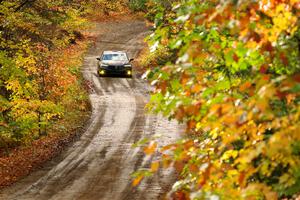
(111, 72)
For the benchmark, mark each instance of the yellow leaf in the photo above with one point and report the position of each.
(232, 173)
(155, 166)
(166, 161)
(229, 154)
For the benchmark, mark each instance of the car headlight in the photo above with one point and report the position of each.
(103, 65)
(127, 66)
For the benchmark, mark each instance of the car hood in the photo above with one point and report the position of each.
(115, 63)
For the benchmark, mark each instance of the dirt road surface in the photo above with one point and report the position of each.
(99, 164)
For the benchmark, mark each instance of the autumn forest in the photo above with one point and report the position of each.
(228, 71)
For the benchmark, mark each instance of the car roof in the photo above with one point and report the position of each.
(112, 52)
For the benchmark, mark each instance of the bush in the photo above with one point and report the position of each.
(235, 85)
(138, 5)
(157, 58)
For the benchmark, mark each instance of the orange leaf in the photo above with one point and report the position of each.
(242, 179)
(192, 110)
(168, 147)
(180, 195)
(179, 166)
(245, 86)
(229, 119)
(290, 98)
(191, 124)
(137, 180)
(188, 144)
(184, 79)
(150, 149)
(196, 88)
(179, 113)
(193, 168)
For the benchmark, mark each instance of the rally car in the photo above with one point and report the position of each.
(112, 63)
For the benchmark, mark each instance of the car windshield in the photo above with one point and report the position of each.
(115, 57)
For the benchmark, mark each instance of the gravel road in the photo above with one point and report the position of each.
(99, 164)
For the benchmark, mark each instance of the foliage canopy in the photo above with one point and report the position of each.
(235, 84)
(38, 71)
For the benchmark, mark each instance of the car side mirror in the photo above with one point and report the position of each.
(131, 59)
(98, 59)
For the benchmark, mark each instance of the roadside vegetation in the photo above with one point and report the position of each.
(43, 97)
(234, 81)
